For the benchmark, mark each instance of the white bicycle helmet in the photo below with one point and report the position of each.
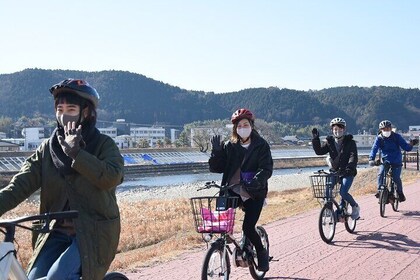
(384, 124)
(338, 121)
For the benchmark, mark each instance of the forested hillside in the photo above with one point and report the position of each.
(142, 100)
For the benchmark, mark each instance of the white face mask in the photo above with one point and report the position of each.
(386, 133)
(337, 132)
(244, 132)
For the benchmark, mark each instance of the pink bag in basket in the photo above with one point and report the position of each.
(217, 221)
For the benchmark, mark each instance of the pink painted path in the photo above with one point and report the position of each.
(380, 248)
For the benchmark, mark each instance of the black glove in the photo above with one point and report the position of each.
(315, 133)
(72, 141)
(216, 145)
(414, 142)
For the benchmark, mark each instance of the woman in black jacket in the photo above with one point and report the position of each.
(245, 159)
(342, 159)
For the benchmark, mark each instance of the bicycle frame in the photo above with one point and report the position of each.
(387, 175)
(10, 268)
(387, 190)
(325, 186)
(244, 255)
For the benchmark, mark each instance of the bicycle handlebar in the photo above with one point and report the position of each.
(322, 171)
(46, 216)
(213, 184)
(10, 225)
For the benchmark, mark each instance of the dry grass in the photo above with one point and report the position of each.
(158, 230)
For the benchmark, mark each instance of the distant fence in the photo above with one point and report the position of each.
(411, 160)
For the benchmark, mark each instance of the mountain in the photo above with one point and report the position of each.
(142, 100)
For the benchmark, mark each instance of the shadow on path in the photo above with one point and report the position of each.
(287, 278)
(381, 240)
(412, 214)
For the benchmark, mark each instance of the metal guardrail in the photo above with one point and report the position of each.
(411, 160)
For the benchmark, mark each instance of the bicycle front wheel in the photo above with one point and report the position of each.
(327, 223)
(383, 199)
(349, 223)
(396, 200)
(216, 264)
(255, 273)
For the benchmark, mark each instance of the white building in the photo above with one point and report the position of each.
(123, 141)
(414, 131)
(174, 134)
(33, 137)
(364, 140)
(151, 134)
(110, 131)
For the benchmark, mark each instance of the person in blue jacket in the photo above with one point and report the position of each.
(390, 143)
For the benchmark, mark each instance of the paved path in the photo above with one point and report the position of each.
(381, 248)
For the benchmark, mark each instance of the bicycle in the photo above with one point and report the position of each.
(325, 188)
(216, 216)
(387, 190)
(10, 268)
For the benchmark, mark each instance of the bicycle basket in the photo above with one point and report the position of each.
(209, 217)
(324, 185)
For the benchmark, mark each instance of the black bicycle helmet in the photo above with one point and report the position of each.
(338, 121)
(384, 124)
(79, 87)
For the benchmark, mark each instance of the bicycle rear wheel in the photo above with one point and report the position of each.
(349, 223)
(115, 276)
(327, 223)
(255, 273)
(383, 199)
(216, 264)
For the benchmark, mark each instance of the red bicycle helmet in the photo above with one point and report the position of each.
(79, 87)
(242, 114)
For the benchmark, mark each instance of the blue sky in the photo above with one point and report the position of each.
(219, 46)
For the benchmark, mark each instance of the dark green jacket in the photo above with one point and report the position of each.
(91, 191)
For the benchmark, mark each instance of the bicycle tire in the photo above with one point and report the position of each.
(396, 198)
(115, 276)
(213, 262)
(383, 199)
(255, 273)
(327, 223)
(349, 223)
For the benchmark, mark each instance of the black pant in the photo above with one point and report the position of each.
(252, 209)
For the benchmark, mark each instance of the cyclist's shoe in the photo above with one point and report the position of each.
(355, 212)
(263, 260)
(401, 196)
(377, 194)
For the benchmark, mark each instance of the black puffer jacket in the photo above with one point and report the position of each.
(348, 159)
(258, 159)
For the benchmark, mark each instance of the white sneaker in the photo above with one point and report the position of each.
(355, 212)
